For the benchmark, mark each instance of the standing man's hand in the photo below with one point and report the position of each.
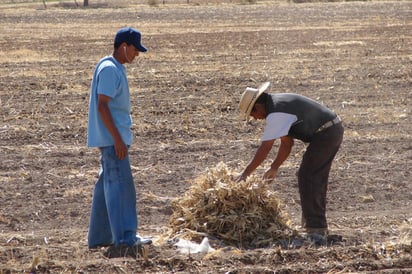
(270, 175)
(121, 149)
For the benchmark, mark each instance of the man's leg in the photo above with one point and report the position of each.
(100, 233)
(120, 194)
(313, 177)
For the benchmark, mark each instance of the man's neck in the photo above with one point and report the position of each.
(118, 57)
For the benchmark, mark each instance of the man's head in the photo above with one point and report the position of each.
(128, 44)
(130, 36)
(247, 104)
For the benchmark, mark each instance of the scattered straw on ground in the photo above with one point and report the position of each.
(243, 214)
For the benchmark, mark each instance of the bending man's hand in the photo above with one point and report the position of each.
(240, 178)
(270, 175)
(286, 144)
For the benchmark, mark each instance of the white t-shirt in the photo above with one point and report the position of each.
(278, 125)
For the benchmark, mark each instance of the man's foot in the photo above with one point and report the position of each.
(121, 251)
(124, 250)
(333, 239)
(317, 230)
(319, 240)
(100, 246)
(143, 241)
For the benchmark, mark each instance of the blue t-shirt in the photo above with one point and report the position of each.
(109, 79)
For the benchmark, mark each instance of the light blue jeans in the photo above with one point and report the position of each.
(113, 218)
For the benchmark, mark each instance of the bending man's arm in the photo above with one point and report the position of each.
(259, 157)
(285, 148)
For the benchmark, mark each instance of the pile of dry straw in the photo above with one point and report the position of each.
(243, 214)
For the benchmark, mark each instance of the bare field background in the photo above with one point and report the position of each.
(355, 57)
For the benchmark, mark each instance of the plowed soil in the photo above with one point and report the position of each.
(355, 57)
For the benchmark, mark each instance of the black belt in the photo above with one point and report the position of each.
(326, 125)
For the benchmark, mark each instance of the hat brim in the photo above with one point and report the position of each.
(261, 89)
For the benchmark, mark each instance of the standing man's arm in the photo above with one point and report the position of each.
(285, 148)
(259, 157)
(107, 118)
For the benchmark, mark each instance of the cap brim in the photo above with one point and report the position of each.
(141, 48)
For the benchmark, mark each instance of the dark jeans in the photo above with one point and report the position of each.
(314, 173)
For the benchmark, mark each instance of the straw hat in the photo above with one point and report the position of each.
(249, 97)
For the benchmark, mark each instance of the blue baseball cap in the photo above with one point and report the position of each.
(131, 36)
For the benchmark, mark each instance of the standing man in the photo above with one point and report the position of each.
(288, 117)
(113, 219)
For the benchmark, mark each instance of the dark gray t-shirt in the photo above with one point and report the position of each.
(294, 115)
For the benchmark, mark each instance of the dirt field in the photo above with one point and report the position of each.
(355, 57)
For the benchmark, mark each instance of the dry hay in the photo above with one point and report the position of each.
(244, 214)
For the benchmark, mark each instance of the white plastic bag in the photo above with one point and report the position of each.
(188, 247)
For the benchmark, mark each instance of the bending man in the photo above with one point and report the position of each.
(291, 116)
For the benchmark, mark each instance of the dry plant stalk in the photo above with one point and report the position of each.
(245, 214)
